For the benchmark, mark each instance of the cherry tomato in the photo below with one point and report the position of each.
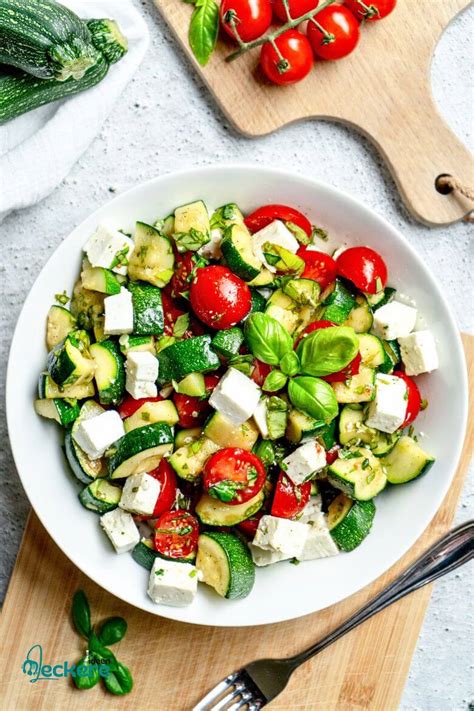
(171, 313)
(336, 34)
(295, 62)
(180, 281)
(176, 534)
(210, 382)
(252, 18)
(249, 527)
(413, 400)
(289, 500)
(233, 475)
(319, 266)
(129, 405)
(191, 410)
(363, 267)
(260, 371)
(263, 216)
(332, 454)
(370, 10)
(219, 298)
(164, 473)
(296, 8)
(351, 369)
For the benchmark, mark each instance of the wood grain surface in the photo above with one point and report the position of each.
(175, 664)
(382, 90)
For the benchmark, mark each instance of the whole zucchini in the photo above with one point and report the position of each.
(45, 39)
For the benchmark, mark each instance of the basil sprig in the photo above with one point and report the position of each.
(327, 350)
(204, 29)
(267, 339)
(81, 614)
(274, 381)
(313, 396)
(112, 630)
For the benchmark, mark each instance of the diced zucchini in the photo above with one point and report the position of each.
(338, 304)
(188, 461)
(152, 260)
(213, 512)
(140, 450)
(226, 565)
(100, 496)
(226, 215)
(63, 412)
(187, 436)
(87, 307)
(109, 371)
(225, 434)
(300, 425)
(353, 430)
(283, 309)
(357, 473)
(184, 357)
(237, 250)
(359, 388)
(59, 324)
(228, 341)
(360, 318)
(259, 302)
(83, 468)
(371, 350)
(406, 461)
(69, 362)
(150, 413)
(191, 226)
(392, 356)
(130, 343)
(148, 317)
(265, 278)
(144, 553)
(350, 521)
(375, 301)
(303, 292)
(47, 388)
(276, 416)
(99, 279)
(282, 260)
(193, 385)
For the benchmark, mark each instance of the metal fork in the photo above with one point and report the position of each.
(256, 684)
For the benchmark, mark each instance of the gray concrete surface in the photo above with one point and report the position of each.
(166, 120)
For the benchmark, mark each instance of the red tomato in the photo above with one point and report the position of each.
(164, 473)
(249, 527)
(219, 298)
(295, 60)
(413, 400)
(191, 410)
(210, 382)
(336, 33)
(252, 18)
(370, 9)
(171, 313)
(347, 372)
(319, 266)
(363, 267)
(263, 216)
(260, 371)
(176, 534)
(129, 405)
(332, 454)
(180, 281)
(296, 8)
(233, 475)
(289, 500)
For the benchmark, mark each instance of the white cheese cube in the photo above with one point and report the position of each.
(304, 461)
(212, 249)
(260, 417)
(281, 535)
(312, 510)
(394, 320)
(110, 249)
(140, 494)
(319, 543)
(142, 365)
(262, 557)
(118, 313)
(140, 388)
(388, 410)
(419, 353)
(121, 530)
(172, 583)
(275, 233)
(236, 396)
(95, 435)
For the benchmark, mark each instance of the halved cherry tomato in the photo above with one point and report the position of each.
(334, 33)
(129, 405)
(233, 475)
(370, 10)
(219, 298)
(413, 399)
(319, 266)
(293, 62)
(164, 473)
(289, 500)
(171, 313)
(176, 534)
(210, 382)
(263, 216)
(249, 527)
(180, 281)
(191, 410)
(332, 454)
(252, 18)
(260, 371)
(296, 8)
(351, 369)
(364, 267)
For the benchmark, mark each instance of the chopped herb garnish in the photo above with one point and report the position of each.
(62, 298)
(295, 561)
(193, 573)
(365, 464)
(160, 571)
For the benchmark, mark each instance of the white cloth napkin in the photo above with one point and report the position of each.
(38, 149)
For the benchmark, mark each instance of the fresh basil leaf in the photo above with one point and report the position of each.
(89, 675)
(282, 259)
(265, 450)
(112, 630)
(101, 653)
(203, 30)
(244, 363)
(181, 326)
(81, 613)
(226, 490)
(290, 363)
(313, 396)
(298, 232)
(190, 241)
(267, 339)
(119, 681)
(275, 380)
(327, 350)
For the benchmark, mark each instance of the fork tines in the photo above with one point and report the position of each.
(237, 692)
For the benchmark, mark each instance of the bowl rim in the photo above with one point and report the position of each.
(417, 528)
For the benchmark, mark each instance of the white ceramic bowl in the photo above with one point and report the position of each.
(281, 591)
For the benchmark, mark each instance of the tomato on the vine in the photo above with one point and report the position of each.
(334, 32)
(319, 266)
(296, 8)
(290, 62)
(370, 10)
(252, 18)
(218, 297)
(364, 267)
(413, 399)
(289, 499)
(176, 534)
(233, 475)
(263, 216)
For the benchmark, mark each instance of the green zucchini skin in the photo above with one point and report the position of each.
(108, 39)
(45, 39)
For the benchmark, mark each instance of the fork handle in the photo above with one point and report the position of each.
(451, 551)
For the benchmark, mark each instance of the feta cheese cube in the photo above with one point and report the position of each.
(281, 535)
(387, 411)
(319, 543)
(118, 313)
(142, 365)
(172, 583)
(110, 249)
(262, 557)
(212, 249)
(312, 510)
(394, 320)
(260, 417)
(419, 353)
(140, 494)
(275, 233)
(140, 388)
(121, 530)
(304, 461)
(236, 396)
(96, 434)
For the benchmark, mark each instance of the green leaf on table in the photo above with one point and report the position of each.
(87, 673)
(204, 29)
(119, 681)
(112, 630)
(81, 613)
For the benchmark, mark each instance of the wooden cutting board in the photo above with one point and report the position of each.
(382, 90)
(175, 664)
